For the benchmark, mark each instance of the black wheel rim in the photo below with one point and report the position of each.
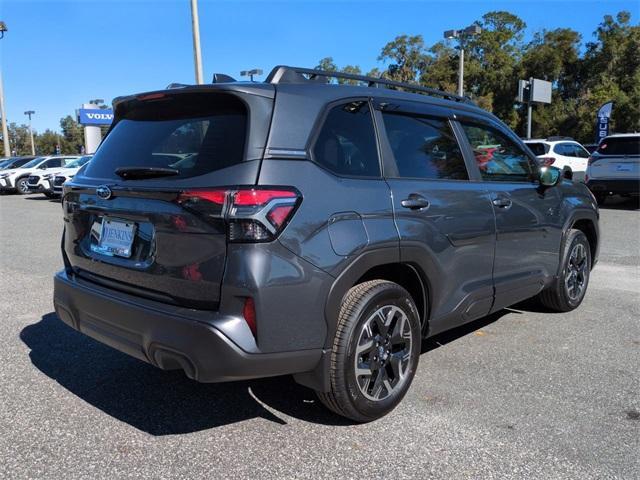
(383, 353)
(575, 280)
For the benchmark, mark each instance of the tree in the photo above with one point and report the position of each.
(19, 139)
(408, 58)
(73, 135)
(47, 143)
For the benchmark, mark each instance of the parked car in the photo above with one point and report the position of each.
(614, 168)
(316, 230)
(14, 162)
(563, 153)
(42, 182)
(57, 181)
(15, 179)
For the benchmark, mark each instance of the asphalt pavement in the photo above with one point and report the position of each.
(519, 394)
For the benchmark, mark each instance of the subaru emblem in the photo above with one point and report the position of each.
(103, 192)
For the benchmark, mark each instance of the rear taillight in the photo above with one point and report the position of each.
(547, 161)
(252, 214)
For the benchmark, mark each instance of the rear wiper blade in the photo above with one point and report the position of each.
(137, 173)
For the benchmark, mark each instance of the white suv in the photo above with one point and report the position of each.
(614, 168)
(15, 179)
(561, 152)
(42, 182)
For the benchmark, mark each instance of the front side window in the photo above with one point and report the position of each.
(53, 163)
(424, 147)
(346, 144)
(498, 157)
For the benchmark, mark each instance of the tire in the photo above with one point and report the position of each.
(21, 186)
(568, 290)
(49, 194)
(373, 313)
(567, 173)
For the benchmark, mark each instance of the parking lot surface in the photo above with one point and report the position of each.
(519, 394)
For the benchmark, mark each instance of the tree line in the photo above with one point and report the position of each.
(584, 75)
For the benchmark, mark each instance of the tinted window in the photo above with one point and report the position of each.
(538, 148)
(192, 133)
(498, 157)
(580, 151)
(620, 146)
(424, 147)
(54, 162)
(346, 143)
(565, 149)
(20, 162)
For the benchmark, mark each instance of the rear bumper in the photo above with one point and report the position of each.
(167, 336)
(615, 186)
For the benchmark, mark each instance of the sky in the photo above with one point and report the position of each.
(60, 54)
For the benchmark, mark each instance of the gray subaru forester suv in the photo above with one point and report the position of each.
(296, 226)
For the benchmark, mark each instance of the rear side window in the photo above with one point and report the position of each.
(498, 157)
(346, 143)
(538, 148)
(424, 147)
(620, 146)
(192, 133)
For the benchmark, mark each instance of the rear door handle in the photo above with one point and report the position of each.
(502, 202)
(415, 202)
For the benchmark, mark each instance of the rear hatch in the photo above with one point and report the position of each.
(126, 224)
(616, 158)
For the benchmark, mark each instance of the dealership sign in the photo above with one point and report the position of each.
(602, 125)
(99, 116)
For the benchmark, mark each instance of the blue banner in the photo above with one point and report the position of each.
(98, 116)
(602, 123)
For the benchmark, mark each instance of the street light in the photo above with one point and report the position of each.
(33, 147)
(251, 73)
(5, 132)
(462, 35)
(195, 30)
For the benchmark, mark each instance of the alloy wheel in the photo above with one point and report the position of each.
(383, 353)
(575, 279)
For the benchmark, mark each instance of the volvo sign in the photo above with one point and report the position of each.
(96, 116)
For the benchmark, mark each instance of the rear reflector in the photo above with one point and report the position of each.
(249, 314)
(547, 161)
(252, 214)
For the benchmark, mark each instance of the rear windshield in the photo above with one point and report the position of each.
(191, 133)
(620, 146)
(538, 148)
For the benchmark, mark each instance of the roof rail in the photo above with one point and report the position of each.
(286, 74)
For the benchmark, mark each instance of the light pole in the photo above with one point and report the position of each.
(33, 147)
(5, 131)
(195, 27)
(461, 35)
(251, 73)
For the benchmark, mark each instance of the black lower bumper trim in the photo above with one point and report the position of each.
(615, 186)
(167, 341)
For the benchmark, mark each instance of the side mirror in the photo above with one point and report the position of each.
(549, 176)
(42, 167)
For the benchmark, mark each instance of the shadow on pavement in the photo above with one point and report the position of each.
(156, 401)
(168, 403)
